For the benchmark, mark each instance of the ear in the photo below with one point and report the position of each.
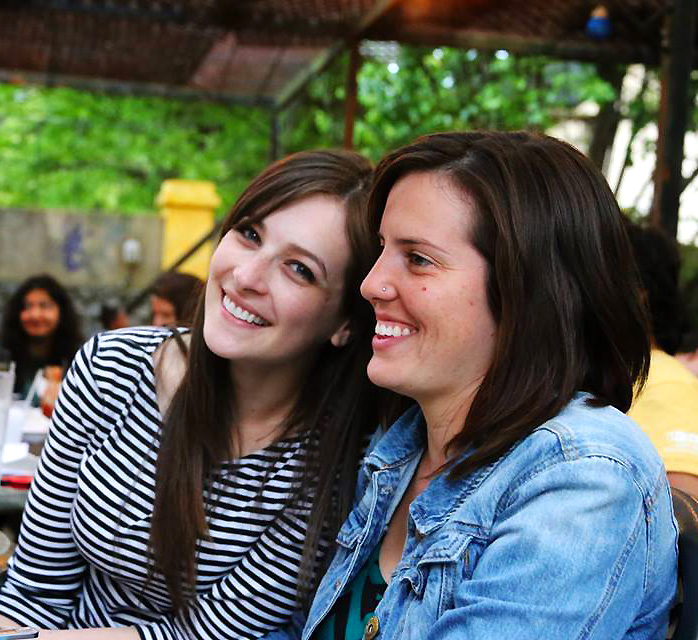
(341, 336)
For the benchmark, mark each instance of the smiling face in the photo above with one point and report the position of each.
(40, 315)
(435, 333)
(275, 287)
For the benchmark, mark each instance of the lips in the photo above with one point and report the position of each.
(243, 313)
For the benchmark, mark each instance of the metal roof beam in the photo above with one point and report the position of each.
(324, 59)
(436, 36)
(132, 88)
(171, 12)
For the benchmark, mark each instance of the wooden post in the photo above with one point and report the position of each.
(678, 40)
(352, 101)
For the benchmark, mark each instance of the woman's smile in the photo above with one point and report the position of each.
(243, 313)
(390, 332)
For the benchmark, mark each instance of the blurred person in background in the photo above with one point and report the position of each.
(113, 316)
(689, 356)
(173, 299)
(41, 330)
(667, 407)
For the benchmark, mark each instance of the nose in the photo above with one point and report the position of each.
(252, 274)
(377, 285)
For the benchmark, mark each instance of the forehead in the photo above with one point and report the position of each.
(37, 295)
(316, 224)
(428, 200)
(162, 303)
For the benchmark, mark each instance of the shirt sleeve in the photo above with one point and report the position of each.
(46, 572)
(572, 556)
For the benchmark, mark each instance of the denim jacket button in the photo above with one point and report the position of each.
(372, 628)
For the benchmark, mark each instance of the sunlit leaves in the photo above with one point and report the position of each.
(81, 151)
(425, 89)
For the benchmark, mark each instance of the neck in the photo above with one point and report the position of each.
(264, 400)
(39, 347)
(445, 416)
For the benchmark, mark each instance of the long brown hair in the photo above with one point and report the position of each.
(337, 404)
(561, 281)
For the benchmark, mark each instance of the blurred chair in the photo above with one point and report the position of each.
(685, 613)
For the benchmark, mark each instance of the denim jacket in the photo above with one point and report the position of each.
(569, 535)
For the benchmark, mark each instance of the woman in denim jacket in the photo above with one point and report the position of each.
(517, 500)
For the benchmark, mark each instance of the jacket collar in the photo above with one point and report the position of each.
(403, 440)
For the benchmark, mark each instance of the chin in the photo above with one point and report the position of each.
(384, 376)
(214, 342)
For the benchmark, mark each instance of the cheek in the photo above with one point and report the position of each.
(309, 311)
(301, 309)
(215, 267)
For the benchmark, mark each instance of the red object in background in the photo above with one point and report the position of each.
(16, 482)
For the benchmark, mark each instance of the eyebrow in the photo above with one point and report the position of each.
(311, 256)
(418, 241)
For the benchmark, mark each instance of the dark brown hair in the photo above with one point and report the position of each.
(658, 262)
(561, 282)
(337, 405)
(182, 291)
(66, 339)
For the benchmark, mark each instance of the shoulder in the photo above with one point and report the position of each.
(119, 359)
(135, 340)
(603, 437)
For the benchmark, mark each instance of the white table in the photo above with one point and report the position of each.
(25, 427)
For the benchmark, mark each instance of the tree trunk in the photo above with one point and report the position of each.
(608, 118)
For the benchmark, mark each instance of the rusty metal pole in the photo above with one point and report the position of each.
(678, 44)
(352, 99)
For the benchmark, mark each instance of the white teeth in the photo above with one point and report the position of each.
(392, 330)
(242, 314)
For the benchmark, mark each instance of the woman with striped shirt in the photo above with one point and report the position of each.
(191, 482)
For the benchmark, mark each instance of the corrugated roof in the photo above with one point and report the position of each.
(254, 50)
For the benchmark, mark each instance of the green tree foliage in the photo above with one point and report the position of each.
(67, 149)
(74, 150)
(422, 90)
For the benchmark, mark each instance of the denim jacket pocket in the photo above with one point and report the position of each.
(439, 562)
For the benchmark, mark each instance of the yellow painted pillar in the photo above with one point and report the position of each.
(187, 208)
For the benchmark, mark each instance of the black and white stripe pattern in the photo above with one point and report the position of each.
(82, 555)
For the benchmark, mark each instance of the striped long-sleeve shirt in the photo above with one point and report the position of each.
(82, 558)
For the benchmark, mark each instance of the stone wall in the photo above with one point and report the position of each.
(82, 251)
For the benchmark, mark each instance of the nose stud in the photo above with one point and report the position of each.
(384, 289)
